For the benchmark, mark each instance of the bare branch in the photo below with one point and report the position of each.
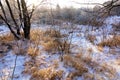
(9, 26)
(12, 16)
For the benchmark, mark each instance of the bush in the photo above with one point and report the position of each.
(79, 16)
(115, 41)
(76, 63)
(46, 74)
(7, 38)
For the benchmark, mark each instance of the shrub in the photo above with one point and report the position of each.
(76, 63)
(7, 38)
(33, 51)
(36, 35)
(46, 74)
(53, 41)
(91, 38)
(115, 41)
(19, 47)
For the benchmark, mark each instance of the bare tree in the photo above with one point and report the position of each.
(106, 7)
(24, 20)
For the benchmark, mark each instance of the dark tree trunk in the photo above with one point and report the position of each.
(26, 29)
(26, 18)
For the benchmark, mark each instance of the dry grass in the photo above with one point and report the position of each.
(33, 51)
(50, 46)
(100, 48)
(109, 69)
(20, 47)
(50, 40)
(76, 63)
(36, 35)
(45, 38)
(115, 41)
(3, 48)
(7, 38)
(91, 38)
(88, 76)
(47, 74)
(105, 70)
(53, 33)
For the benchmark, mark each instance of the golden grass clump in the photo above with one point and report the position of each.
(46, 38)
(100, 48)
(50, 39)
(115, 41)
(36, 34)
(88, 76)
(46, 74)
(6, 38)
(33, 51)
(52, 33)
(55, 63)
(50, 46)
(109, 69)
(76, 63)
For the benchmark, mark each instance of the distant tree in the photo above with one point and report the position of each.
(112, 7)
(58, 11)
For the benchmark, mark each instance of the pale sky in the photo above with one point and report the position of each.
(68, 3)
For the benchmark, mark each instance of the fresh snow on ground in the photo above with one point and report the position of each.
(3, 30)
(113, 20)
(81, 42)
(7, 64)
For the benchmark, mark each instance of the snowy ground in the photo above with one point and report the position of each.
(3, 30)
(103, 59)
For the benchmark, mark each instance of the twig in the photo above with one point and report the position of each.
(14, 67)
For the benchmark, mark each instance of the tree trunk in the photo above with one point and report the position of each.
(6, 21)
(26, 18)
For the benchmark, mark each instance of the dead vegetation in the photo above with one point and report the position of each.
(115, 41)
(33, 51)
(52, 40)
(7, 38)
(91, 38)
(47, 74)
(76, 63)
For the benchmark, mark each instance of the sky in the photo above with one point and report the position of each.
(69, 3)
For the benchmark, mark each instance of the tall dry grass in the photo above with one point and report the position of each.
(115, 41)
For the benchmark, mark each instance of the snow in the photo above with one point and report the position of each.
(82, 44)
(7, 64)
(97, 56)
(3, 30)
(112, 20)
